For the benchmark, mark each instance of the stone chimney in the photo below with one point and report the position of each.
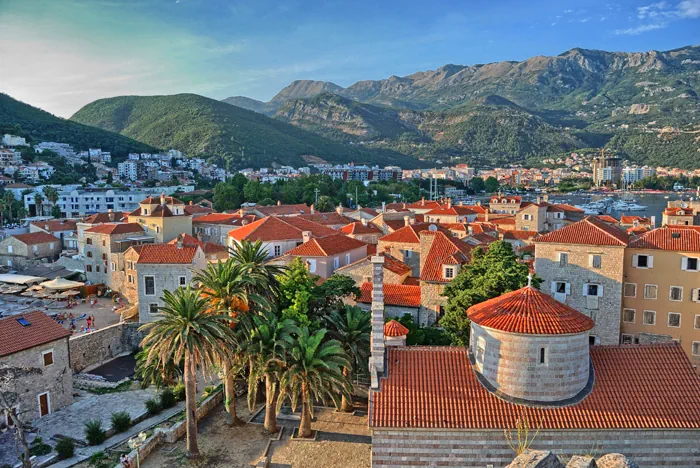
(406, 220)
(478, 203)
(162, 198)
(110, 214)
(244, 222)
(422, 201)
(305, 236)
(364, 221)
(376, 359)
(313, 209)
(545, 197)
(179, 241)
(395, 334)
(279, 203)
(539, 200)
(339, 209)
(486, 215)
(383, 207)
(199, 236)
(449, 203)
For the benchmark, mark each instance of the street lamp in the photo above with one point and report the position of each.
(135, 443)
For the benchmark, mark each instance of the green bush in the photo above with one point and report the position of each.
(167, 398)
(121, 421)
(65, 448)
(39, 448)
(153, 406)
(179, 391)
(94, 433)
(99, 460)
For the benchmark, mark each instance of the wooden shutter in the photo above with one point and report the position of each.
(554, 286)
(568, 289)
(635, 261)
(600, 290)
(684, 263)
(650, 261)
(585, 289)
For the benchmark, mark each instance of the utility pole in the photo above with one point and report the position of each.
(316, 190)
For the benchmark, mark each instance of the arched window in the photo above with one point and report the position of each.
(542, 356)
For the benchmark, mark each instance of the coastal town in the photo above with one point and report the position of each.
(590, 303)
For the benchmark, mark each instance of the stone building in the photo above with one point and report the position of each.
(20, 250)
(62, 229)
(395, 271)
(101, 242)
(362, 230)
(404, 244)
(161, 267)
(399, 299)
(334, 220)
(324, 255)
(528, 361)
(35, 341)
(582, 265)
(501, 204)
(162, 218)
(212, 252)
(112, 217)
(678, 216)
(214, 227)
(450, 213)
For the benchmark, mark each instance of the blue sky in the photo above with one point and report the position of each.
(62, 54)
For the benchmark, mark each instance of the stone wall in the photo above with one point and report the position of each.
(93, 349)
(24, 255)
(395, 448)
(393, 311)
(431, 299)
(361, 270)
(577, 272)
(407, 252)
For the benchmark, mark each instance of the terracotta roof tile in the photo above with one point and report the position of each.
(273, 228)
(393, 329)
(607, 219)
(636, 387)
(394, 265)
(424, 205)
(675, 238)
(15, 337)
(35, 238)
(588, 231)
(444, 250)
(281, 210)
(410, 234)
(358, 227)
(327, 219)
(110, 229)
(55, 225)
(166, 254)
(454, 210)
(196, 209)
(520, 235)
(316, 229)
(402, 295)
(113, 217)
(531, 312)
(156, 201)
(569, 208)
(631, 220)
(327, 246)
(678, 211)
(505, 199)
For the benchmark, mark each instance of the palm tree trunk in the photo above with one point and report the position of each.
(346, 405)
(192, 450)
(270, 405)
(305, 424)
(230, 395)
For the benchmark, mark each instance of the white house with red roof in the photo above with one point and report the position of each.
(212, 251)
(61, 229)
(450, 213)
(325, 255)
(214, 227)
(362, 230)
(502, 204)
(20, 250)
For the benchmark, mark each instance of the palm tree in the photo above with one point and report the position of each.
(51, 195)
(155, 373)
(190, 332)
(352, 327)
(313, 370)
(224, 285)
(252, 256)
(39, 202)
(9, 199)
(266, 341)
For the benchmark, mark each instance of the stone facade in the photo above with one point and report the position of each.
(361, 271)
(510, 362)
(403, 448)
(407, 252)
(101, 261)
(17, 254)
(394, 311)
(531, 218)
(93, 349)
(567, 280)
(432, 301)
(125, 279)
(55, 379)
(325, 266)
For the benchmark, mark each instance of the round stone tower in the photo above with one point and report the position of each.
(528, 347)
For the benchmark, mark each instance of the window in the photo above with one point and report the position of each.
(480, 350)
(642, 261)
(696, 348)
(182, 281)
(649, 317)
(312, 265)
(563, 259)
(152, 308)
(336, 262)
(592, 289)
(595, 261)
(650, 291)
(347, 259)
(157, 229)
(88, 241)
(104, 256)
(630, 290)
(449, 272)
(149, 283)
(628, 315)
(542, 356)
(89, 254)
(278, 250)
(35, 248)
(88, 268)
(51, 245)
(627, 339)
(47, 358)
(97, 268)
(674, 319)
(130, 278)
(697, 322)
(527, 217)
(104, 243)
(676, 293)
(113, 266)
(9, 249)
(689, 264)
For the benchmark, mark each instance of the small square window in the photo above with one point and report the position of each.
(182, 281)
(627, 339)
(630, 290)
(642, 261)
(596, 261)
(628, 315)
(650, 291)
(278, 250)
(649, 317)
(676, 293)
(674, 319)
(449, 272)
(153, 308)
(696, 348)
(692, 264)
(697, 322)
(47, 357)
(560, 287)
(592, 290)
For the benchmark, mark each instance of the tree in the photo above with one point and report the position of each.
(324, 204)
(313, 370)
(51, 195)
(56, 211)
(192, 332)
(226, 197)
(491, 184)
(296, 289)
(351, 327)
(266, 341)
(489, 274)
(155, 373)
(39, 203)
(477, 184)
(9, 198)
(252, 257)
(332, 293)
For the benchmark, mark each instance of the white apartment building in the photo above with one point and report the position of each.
(10, 157)
(631, 175)
(13, 140)
(62, 149)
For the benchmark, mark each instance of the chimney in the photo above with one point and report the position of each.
(313, 209)
(449, 203)
(486, 215)
(376, 360)
(384, 206)
(244, 222)
(279, 203)
(653, 222)
(478, 203)
(406, 220)
(422, 201)
(395, 339)
(162, 198)
(364, 222)
(179, 241)
(199, 236)
(46, 227)
(404, 205)
(545, 197)
(190, 202)
(110, 214)
(305, 236)
(339, 209)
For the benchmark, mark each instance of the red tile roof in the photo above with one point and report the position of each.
(402, 295)
(394, 265)
(327, 219)
(166, 254)
(110, 229)
(588, 231)
(116, 216)
(568, 208)
(505, 220)
(519, 235)
(358, 227)
(280, 210)
(327, 246)
(410, 234)
(393, 329)
(228, 219)
(531, 312)
(156, 201)
(675, 238)
(424, 205)
(316, 229)
(607, 219)
(15, 338)
(196, 209)
(635, 231)
(505, 199)
(35, 238)
(273, 228)
(454, 210)
(395, 224)
(631, 219)
(444, 250)
(678, 211)
(636, 387)
(55, 225)
(191, 241)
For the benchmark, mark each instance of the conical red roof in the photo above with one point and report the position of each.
(394, 329)
(531, 312)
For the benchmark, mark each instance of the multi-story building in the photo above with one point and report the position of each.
(214, 227)
(678, 216)
(607, 168)
(582, 265)
(163, 218)
(62, 149)
(502, 204)
(661, 294)
(10, 157)
(62, 229)
(21, 250)
(103, 240)
(632, 175)
(37, 171)
(324, 255)
(13, 140)
(362, 173)
(450, 213)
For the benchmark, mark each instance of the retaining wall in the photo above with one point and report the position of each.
(93, 349)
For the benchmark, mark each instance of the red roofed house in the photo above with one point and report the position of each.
(214, 227)
(518, 239)
(105, 241)
(399, 299)
(528, 359)
(334, 219)
(35, 341)
(213, 252)
(62, 229)
(395, 271)
(280, 210)
(21, 250)
(502, 204)
(161, 267)
(324, 255)
(404, 243)
(678, 216)
(544, 217)
(632, 221)
(279, 235)
(450, 213)
(582, 265)
(163, 218)
(96, 219)
(362, 230)
(423, 206)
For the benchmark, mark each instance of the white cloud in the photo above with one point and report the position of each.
(640, 29)
(568, 11)
(652, 10)
(554, 24)
(689, 9)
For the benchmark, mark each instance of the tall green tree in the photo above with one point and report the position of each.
(489, 274)
(191, 332)
(39, 203)
(51, 195)
(352, 327)
(491, 184)
(313, 371)
(252, 258)
(324, 204)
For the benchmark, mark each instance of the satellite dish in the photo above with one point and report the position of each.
(432, 228)
(684, 205)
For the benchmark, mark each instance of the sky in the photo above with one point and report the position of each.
(62, 54)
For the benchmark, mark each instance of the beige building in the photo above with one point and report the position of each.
(34, 341)
(395, 271)
(505, 204)
(362, 230)
(62, 229)
(679, 216)
(214, 227)
(582, 266)
(325, 255)
(102, 243)
(22, 250)
(163, 218)
(450, 213)
(661, 295)
(111, 217)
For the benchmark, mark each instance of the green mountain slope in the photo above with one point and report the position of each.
(201, 126)
(38, 125)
